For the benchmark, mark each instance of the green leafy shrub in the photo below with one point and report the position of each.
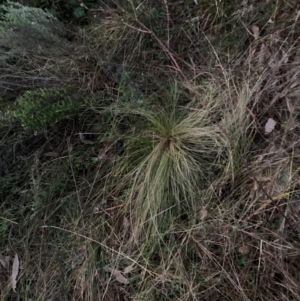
(34, 51)
(43, 107)
(25, 28)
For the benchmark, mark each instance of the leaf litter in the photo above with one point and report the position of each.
(14, 273)
(117, 275)
(270, 126)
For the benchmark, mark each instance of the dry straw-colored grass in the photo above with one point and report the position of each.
(165, 186)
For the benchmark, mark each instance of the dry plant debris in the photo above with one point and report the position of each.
(176, 177)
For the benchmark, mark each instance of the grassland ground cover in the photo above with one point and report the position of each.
(150, 152)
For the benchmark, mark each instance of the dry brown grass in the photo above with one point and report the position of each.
(71, 205)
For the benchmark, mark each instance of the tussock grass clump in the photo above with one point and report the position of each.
(126, 32)
(178, 145)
